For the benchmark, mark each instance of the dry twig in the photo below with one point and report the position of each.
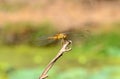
(65, 48)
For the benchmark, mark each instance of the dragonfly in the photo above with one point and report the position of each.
(62, 37)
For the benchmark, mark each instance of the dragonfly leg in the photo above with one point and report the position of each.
(62, 42)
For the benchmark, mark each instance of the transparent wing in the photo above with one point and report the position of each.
(44, 41)
(78, 35)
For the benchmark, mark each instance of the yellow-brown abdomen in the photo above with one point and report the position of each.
(58, 36)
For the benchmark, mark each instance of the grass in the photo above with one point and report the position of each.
(102, 45)
(100, 51)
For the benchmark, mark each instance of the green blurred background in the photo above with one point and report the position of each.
(25, 25)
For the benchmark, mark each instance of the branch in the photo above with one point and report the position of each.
(65, 48)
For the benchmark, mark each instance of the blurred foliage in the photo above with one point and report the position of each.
(96, 58)
(25, 32)
(23, 55)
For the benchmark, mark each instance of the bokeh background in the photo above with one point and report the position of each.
(25, 25)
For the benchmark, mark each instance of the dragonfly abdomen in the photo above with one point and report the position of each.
(58, 36)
